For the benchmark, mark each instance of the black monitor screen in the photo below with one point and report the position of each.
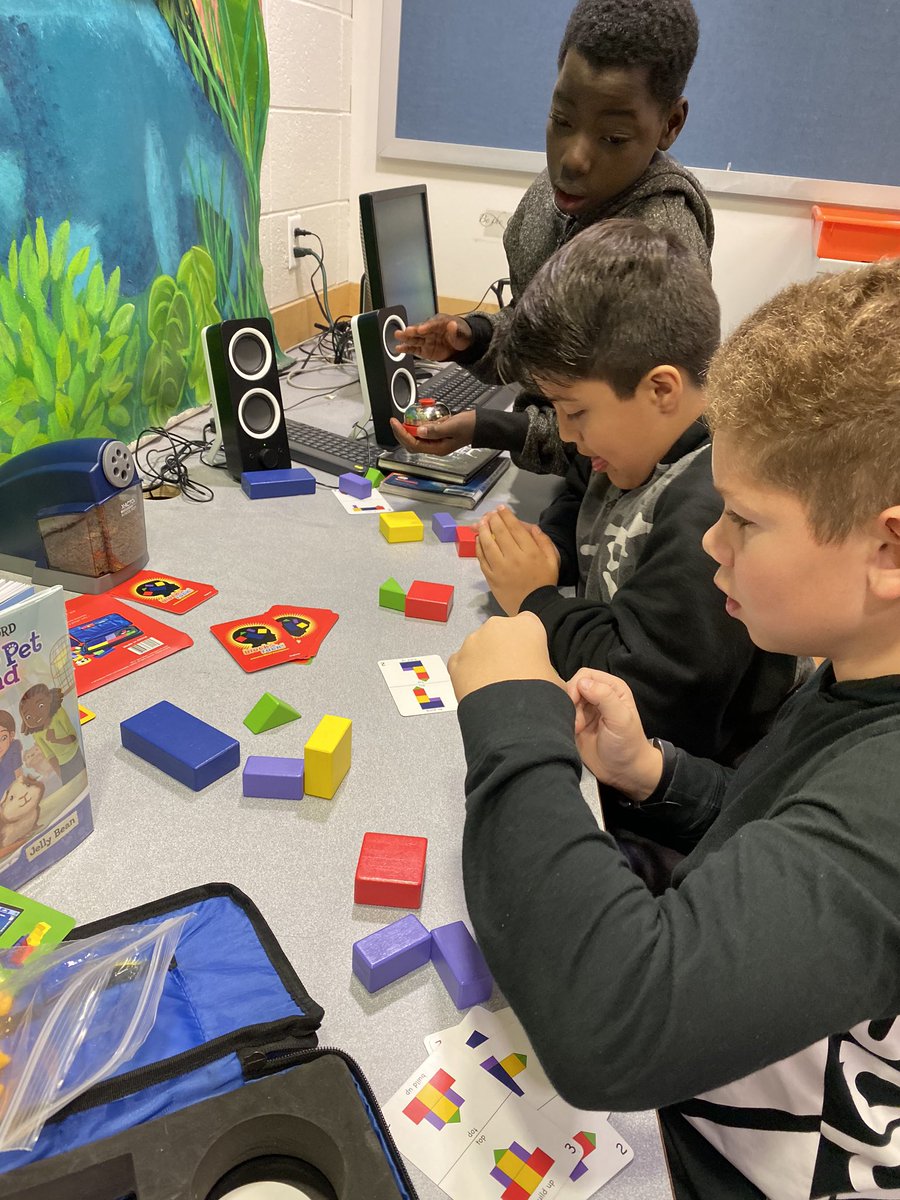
(396, 243)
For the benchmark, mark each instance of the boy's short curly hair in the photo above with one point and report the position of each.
(808, 387)
(616, 301)
(661, 35)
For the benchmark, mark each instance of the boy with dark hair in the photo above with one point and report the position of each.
(617, 107)
(617, 330)
(756, 1002)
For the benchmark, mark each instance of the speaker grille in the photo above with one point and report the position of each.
(259, 413)
(250, 353)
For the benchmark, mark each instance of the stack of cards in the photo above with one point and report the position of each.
(419, 685)
(283, 634)
(482, 1120)
(164, 591)
(109, 639)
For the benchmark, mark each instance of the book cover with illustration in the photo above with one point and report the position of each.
(454, 495)
(45, 806)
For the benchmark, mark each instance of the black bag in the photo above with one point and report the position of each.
(229, 1087)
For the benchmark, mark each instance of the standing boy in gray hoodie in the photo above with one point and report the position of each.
(616, 109)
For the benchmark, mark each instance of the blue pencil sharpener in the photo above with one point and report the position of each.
(72, 513)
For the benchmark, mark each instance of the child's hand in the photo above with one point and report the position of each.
(438, 437)
(438, 338)
(609, 734)
(516, 558)
(503, 648)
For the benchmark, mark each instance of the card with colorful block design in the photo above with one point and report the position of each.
(167, 592)
(419, 685)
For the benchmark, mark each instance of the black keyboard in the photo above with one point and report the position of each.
(328, 451)
(457, 388)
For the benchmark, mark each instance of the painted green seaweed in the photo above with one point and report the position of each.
(69, 350)
(177, 310)
(224, 44)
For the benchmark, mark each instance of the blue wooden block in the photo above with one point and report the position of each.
(460, 964)
(391, 953)
(444, 527)
(265, 485)
(355, 485)
(273, 778)
(183, 746)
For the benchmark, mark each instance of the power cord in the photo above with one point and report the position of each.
(167, 465)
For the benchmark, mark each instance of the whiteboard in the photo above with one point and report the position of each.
(788, 98)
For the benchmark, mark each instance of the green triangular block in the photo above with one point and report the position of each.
(392, 595)
(374, 477)
(268, 713)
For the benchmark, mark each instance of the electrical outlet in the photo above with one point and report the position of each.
(295, 221)
(493, 223)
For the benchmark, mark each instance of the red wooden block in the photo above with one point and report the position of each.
(431, 601)
(465, 541)
(390, 870)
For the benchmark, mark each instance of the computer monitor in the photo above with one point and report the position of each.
(396, 246)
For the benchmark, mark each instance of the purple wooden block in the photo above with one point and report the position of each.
(355, 485)
(287, 481)
(391, 953)
(460, 964)
(444, 527)
(273, 778)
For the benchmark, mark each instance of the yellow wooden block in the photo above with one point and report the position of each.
(4, 1059)
(326, 756)
(401, 527)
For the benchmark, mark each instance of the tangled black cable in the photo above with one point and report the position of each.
(167, 465)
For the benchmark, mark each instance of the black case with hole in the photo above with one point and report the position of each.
(217, 1097)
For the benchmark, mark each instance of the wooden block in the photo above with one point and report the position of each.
(326, 756)
(375, 477)
(390, 953)
(289, 481)
(443, 525)
(401, 527)
(268, 713)
(182, 745)
(466, 538)
(390, 870)
(460, 964)
(392, 595)
(273, 778)
(429, 601)
(355, 485)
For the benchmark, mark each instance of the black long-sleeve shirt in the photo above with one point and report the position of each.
(647, 609)
(757, 998)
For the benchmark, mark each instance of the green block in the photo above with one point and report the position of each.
(268, 713)
(374, 477)
(392, 595)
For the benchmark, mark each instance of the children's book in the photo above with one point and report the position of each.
(45, 806)
(109, 639)
(454, 495)
(458, 467)
(11, 592)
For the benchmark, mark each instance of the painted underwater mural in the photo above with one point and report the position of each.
(131, 139)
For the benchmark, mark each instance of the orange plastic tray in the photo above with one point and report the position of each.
(856, 234)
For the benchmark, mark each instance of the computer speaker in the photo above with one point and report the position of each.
(243, 384)
(385, 376)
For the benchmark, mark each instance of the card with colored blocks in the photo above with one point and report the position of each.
(419, 686)
(356, 506)
(167, 592)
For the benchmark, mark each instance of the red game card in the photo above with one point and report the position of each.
(307, 627)
(108, 640)
(257, 642)
(164, 591)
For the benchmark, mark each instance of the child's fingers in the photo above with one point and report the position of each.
(516, 531)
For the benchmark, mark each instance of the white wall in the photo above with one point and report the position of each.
(306, 164)
(321, 153)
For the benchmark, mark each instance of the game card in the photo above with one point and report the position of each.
(435, 1115)
(424, 699)
(164, 591)
(109, 639)
(306, 627)
(501, 1048)
(403, 672)
(519, 1153)
(596, 1153)
(375, 503)
(256, 642)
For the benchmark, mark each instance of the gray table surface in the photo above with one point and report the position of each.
(297, 860)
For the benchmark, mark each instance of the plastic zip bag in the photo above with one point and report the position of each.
(70, 1016)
